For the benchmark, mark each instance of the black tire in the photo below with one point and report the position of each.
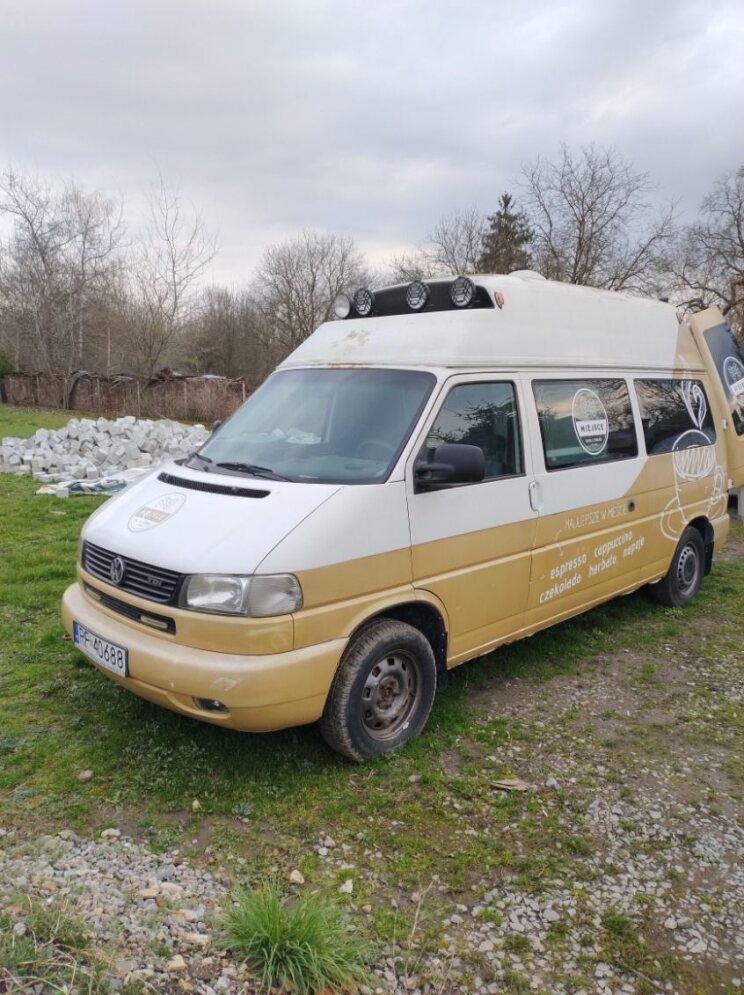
(684, 577)
(382, 693)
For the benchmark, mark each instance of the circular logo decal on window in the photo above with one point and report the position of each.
(590, 421)
(733, 371)
(156, 512)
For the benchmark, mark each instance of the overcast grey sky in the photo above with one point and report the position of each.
(369, 118)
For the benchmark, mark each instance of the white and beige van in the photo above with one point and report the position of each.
(446, 467)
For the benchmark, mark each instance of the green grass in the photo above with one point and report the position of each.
(303, 945)
(53, 952)
(21, 422)
(629, 947)
(59, 716)
(428, 813)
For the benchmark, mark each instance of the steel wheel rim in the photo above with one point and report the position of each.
(390, 695)
(688, 569)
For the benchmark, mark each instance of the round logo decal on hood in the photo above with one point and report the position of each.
(156, 512)
(590, 421)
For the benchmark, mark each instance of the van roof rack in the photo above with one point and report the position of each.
(418, 297)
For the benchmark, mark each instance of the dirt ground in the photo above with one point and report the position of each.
(619, 868)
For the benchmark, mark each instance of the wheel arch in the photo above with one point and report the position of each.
(424, 615)
(707, 534)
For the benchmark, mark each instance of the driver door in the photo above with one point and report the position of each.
(472, 543)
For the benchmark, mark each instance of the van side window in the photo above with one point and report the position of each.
(729, 360)
(584, 422)
(485, 415)
(675, 415)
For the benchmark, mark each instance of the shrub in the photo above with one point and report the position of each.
(303, 946)
(6, 366)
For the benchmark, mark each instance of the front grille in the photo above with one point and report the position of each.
(140, 579)
(161, 622)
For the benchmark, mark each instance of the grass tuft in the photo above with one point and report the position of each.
(52, 955)
(301, 945)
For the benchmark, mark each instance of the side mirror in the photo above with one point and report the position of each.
(216, 425)
(454, 463)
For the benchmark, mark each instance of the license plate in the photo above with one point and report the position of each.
(106, 654)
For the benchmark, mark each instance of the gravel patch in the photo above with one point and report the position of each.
(150, 915)
(651, 794)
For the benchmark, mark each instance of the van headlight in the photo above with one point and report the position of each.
(227, 594)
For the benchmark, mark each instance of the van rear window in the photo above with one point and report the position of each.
(584, 422)
(729, 360)
(675, 415)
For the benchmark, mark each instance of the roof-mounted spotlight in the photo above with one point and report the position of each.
(341, 306)
(462, 291)
(417, 294)
(364, 301)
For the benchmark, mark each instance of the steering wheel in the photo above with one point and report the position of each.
(379, 444)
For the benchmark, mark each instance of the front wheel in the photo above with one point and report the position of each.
(382, 693)
(683, 579)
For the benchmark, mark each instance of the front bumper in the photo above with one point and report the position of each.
(262, 693)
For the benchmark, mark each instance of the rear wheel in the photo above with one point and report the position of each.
(382, 693)
(684, 578)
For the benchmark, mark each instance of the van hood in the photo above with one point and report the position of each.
(177, 525)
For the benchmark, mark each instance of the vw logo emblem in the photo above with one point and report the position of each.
(116, 570)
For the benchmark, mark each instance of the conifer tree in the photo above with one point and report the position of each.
(507, 240)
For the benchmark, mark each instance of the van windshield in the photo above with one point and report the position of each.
(324, 426)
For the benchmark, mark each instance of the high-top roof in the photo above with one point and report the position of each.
(541, 323)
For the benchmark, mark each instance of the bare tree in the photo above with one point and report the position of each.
(296, 282)
(61, 258)
(164, 273)
(592, 222)
(708, 264)
(225, 337)
(456, 242)
(415, 264)
(454, 246)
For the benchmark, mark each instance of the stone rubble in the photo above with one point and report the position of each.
(90, 449)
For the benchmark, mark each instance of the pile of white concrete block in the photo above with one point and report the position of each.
(91, 449)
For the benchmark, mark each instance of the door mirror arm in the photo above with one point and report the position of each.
(432, 476)
(453, 463)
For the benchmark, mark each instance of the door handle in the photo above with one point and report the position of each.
(535, 493)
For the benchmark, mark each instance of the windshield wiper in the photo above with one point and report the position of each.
(204, 460)
(253, 470)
